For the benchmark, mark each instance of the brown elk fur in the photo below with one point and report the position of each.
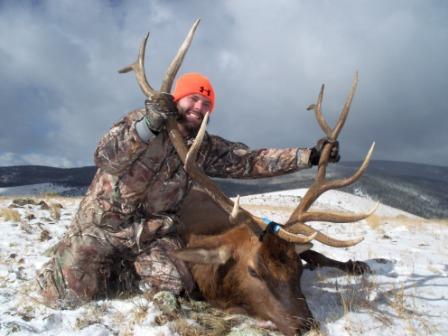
(235, 271)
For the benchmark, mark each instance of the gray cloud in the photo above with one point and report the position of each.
(60, 90)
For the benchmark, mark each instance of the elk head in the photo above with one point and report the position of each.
(240, 273)
(236, 268)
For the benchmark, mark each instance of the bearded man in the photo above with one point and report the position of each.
(126, 226)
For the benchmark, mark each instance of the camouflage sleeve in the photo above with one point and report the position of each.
(121, 145)
(236, 160)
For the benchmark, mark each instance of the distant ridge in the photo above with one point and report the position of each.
(23, 175)
(416, 188)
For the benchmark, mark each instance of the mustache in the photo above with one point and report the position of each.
(182, 118)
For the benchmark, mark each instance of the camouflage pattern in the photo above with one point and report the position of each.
(132, 203)
(159, 271)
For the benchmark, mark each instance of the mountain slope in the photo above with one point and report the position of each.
(416, 188)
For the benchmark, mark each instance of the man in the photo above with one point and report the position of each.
(125, 227)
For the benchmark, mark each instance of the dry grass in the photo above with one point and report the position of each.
(406, 309)
(364, 294)
(315, 332)
(412, 223)
(443, 221)
(50, 194)
(62, 199)
(93, 314)
(10, 215)
(187, 318)
(55, 211)
(44, 235)
(119, 318)
(186, 328)
(375, 222)
(140, 310)
(204, 324)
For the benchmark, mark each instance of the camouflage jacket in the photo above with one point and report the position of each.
(148, 178)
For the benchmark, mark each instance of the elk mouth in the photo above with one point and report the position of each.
(295, 321)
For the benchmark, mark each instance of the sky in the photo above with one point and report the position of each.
(60, 90)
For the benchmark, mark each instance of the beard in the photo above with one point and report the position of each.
(191, 126)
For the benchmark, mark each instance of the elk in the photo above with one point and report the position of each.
(239, 262)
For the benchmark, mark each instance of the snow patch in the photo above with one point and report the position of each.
(407, 294)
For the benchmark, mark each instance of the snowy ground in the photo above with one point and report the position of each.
(406, 295)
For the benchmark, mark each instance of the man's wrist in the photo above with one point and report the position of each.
(144, 131)
(303, 158)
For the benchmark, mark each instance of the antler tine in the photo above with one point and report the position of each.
(332, 134)
(139, 67)
(339, 183)
(318, 111)
(323, 238)
(318, 187)
(188, 158)
(296, 222)
(192, 154)
(236, 213)
(341, 121)
(333, 217)
(178, 59)
(299, 226)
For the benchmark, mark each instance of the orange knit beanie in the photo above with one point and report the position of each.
(191, 83)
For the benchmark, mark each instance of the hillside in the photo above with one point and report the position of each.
(416, 188)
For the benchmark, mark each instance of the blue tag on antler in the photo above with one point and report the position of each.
(272, 227)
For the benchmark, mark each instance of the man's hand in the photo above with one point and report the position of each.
(316, 151)
(158, 109)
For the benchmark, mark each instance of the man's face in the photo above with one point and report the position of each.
(192, 110)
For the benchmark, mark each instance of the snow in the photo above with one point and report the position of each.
(406, 294)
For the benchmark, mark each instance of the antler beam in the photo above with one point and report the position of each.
(189, 157)
(301, 215)
(236, 213)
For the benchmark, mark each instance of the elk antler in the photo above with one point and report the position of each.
(189, 157)
(296, 222)
(139, 65)
(236, 213)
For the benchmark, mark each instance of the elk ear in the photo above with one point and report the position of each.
(300, 248)
(218, 255)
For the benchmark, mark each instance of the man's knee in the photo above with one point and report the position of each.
(157, 269)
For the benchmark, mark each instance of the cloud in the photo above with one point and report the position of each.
(60, 90)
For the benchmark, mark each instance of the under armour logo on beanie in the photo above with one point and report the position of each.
(202, 90)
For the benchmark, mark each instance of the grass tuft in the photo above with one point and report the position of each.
(140, 311)
(10, 215)
(55, 211)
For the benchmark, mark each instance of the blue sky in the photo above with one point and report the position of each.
(60, 90)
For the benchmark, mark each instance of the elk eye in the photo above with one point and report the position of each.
(253, 273)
